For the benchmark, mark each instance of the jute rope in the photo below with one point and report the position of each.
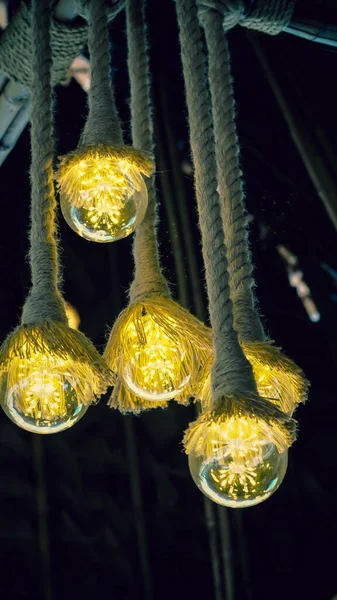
(267, 16)
(67, 41)
(232, 371)
(102, 125)
(44, 301)
(148, 279)
(246, 318)
(44, 333)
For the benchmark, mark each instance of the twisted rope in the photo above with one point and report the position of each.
(231, 371)
(44, 301)
(148, 280)
(67, 41)
(267, 16)
(103, 124)
(246, 319)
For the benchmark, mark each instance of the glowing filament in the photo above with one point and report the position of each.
(240, 465)
(103, 198)
(155, 365)
(41, 396)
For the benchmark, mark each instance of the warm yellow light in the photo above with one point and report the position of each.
(72, 316)
(239, 465)
(41, 396)
(278, 378)
(156, 349)
(155, 365)
(102, 191)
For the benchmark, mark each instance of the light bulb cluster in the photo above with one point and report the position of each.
(102, 191)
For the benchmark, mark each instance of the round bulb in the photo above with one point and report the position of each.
(244, 471)
(103, 200)
(155, 366)
(40, 399)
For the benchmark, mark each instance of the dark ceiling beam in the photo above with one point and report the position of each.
(302, 133)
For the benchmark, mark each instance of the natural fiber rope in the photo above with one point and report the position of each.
(67, 41)
(231, 371)
(103, 124)
(148, 280)
(267, 16)
(246, 319)
(44, 301)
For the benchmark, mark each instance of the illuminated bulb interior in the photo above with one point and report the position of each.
(40, 396)
(156, 366)
(241, 467)
(103, 199)
(269, 386)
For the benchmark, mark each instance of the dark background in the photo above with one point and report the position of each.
(108, 509)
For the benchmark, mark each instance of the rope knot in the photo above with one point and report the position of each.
(268, 16)
(232, 11)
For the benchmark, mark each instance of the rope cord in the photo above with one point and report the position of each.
(44, 301)
(67, 42)
(148, 280)
(267, 16)
(231, 371)
(246, 319)
(102, 124)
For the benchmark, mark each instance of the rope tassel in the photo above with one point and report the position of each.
(237, 447)
(49, 372)
(102, 190)
(156, 348)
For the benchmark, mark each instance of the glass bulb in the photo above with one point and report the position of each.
(103, 200)
(40, 397)
(244, 471)
(155, 366)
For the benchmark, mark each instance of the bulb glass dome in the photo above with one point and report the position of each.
(39, 396)
(242, 471)
(156, 366)
(103, 199)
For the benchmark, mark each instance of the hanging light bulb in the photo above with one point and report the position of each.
(39, 394)
(49, 375)
(155, 349)
(102, 191)
(240, 465)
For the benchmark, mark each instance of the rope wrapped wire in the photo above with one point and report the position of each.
(98, 175)
(149, 292)
(267, 16)
(44, 332)
(234, 389)
(67, 41)
(289, 381)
